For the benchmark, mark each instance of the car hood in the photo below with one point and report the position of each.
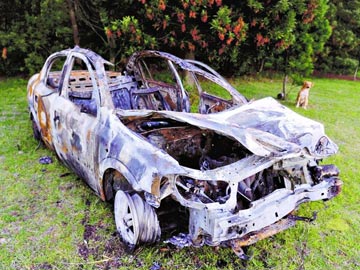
(264, 127)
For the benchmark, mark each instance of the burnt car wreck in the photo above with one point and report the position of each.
(170, 152)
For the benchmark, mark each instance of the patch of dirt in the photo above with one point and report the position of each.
(84, 248)
(264, 254)
(42, 266)
(107, 251)
(221, 263)
(90, 233)
(303, 252)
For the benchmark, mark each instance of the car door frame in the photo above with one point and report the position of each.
(75, 138)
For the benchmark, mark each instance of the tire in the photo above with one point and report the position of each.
(136, 221)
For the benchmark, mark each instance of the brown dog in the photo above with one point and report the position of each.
(302, 99)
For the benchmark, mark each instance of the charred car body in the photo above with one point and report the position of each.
(238, 169)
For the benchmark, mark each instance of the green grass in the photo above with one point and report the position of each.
(49, 219)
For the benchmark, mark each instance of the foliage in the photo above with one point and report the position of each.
(127, 37)
(303, 31)
(235, 37)
(311, 35)
(310, 30)
(271, 31)
(29, 32)
(238, 37)
(98, 19)
(49, 219)
(342, 51)
(210, 29)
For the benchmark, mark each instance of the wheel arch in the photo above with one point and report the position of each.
(114, 176)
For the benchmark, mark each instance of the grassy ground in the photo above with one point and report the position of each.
(49, 219)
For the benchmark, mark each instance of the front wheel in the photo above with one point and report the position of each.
(136, 221)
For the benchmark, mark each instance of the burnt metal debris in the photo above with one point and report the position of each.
(174, 155)
(45, 160)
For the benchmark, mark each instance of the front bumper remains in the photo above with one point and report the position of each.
(265, 217)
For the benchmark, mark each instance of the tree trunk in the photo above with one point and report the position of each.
(262, 63)
(112, 50)
(189, 80)
(284, 87)
(356, 70)
(283, 97)
(74, 25)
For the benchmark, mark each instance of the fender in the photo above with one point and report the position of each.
(115, 164)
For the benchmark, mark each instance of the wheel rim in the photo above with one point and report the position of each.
(126, 219)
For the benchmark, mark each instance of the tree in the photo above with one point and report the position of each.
(11, 40)
(271, 31)
(235, 36)
(93, 18)
(30, 31)
(207, 28)
(342, 51)
(72, 13)
(311, 32)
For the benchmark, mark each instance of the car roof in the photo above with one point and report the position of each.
(93, 57)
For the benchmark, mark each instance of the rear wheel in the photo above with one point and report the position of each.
(136, 221)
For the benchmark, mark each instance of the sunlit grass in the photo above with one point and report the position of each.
(44, 210)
